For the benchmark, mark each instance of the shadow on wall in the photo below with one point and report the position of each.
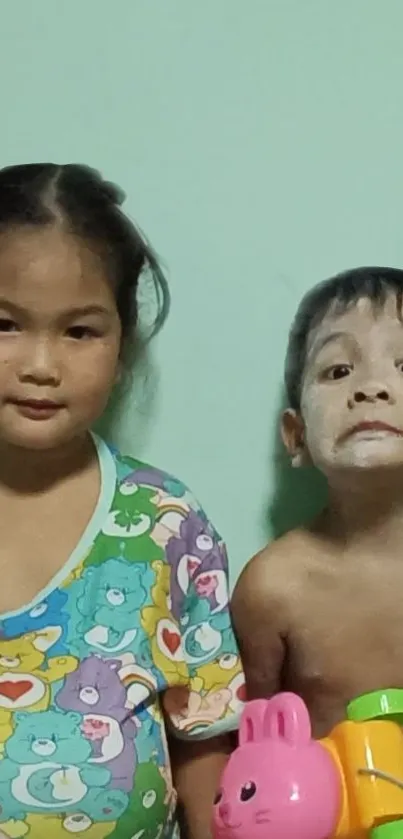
(132, 410)
(299, 494)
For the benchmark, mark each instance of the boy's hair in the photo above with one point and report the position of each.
(338, 293)
(40, 194)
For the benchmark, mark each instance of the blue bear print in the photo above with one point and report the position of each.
(9, 807)
(205, 634)
(46, 764)
(149, 742)
(105, 805)
(107, 607)
(48, 613)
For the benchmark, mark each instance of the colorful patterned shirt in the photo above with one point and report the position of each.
(132, 635)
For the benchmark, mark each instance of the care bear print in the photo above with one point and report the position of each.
(136, 631)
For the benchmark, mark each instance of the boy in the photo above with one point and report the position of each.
(320, 611)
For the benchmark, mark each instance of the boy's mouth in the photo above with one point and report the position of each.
(372, 427)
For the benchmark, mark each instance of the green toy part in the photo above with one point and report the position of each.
(380, 704)
(392, 830)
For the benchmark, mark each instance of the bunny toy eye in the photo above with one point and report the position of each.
(217, 798)
(248, 791)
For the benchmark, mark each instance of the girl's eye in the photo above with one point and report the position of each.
(8, 325)
(82, 332)
(338, 371)
(399, 365)
(248, 791)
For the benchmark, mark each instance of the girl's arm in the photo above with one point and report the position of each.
(203, 700)
(197, 768)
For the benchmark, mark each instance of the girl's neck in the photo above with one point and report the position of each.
(367, 513)
(31, 472)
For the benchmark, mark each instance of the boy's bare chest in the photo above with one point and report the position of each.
(346, 639)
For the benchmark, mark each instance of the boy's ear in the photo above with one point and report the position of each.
(293, 436)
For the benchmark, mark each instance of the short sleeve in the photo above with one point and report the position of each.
(205, 696)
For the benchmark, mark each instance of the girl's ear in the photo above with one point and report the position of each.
(119, 372)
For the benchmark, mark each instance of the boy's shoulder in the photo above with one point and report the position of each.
(294, 549)
(265, 606)
(281, 568)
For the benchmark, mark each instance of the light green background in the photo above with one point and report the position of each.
(261, 145)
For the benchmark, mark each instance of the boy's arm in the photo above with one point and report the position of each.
(259, 614)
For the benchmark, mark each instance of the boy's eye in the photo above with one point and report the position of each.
(399, 365)
(218, 798)
(8, 325)
(248, 791)
(338, 371)
(80, 332)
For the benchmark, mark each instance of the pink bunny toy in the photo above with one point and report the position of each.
(278, 783)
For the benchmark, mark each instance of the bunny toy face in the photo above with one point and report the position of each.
(279, 783)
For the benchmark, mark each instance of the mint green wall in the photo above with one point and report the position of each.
(260, 143)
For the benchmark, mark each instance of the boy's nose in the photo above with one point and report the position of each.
(371, 393)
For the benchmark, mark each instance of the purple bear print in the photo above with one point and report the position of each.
(96, 692)
(195, 556)
(157, 480)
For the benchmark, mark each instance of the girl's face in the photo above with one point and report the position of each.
(60, 337)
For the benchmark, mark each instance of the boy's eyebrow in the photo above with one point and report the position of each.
(328, 339)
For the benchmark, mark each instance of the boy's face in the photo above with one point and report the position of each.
(352, 392)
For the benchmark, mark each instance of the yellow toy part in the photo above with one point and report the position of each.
(368, 752)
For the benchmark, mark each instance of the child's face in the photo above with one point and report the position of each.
(59, 337)
(352, 392)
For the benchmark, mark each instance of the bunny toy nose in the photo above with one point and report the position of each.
(224, 812)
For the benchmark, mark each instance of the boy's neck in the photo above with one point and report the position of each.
(26, 472)
(367, 513)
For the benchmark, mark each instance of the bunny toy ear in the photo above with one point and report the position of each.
(252, 720)
(287, 718)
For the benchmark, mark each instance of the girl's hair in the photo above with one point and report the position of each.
(78, 197)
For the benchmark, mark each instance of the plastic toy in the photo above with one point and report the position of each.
(281, 784)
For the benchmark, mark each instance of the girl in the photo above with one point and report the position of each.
(116, 648)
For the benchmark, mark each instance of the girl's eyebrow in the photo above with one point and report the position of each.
(91, 309)
(76, 311)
